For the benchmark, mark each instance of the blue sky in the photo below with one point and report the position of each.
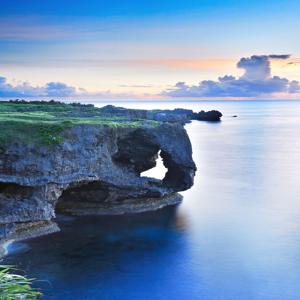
(140, 8)
(143, 48)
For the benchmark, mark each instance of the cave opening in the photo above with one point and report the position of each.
(10, 189)
(81, 194)
(158, 171)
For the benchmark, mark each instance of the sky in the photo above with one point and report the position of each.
(132, 49)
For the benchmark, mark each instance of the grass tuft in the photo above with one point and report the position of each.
(16, 287)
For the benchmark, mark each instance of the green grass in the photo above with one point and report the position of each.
(16, 287)
(45, 122)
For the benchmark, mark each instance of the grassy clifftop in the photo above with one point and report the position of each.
(43, 122)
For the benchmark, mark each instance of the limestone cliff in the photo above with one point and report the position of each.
(94, 169)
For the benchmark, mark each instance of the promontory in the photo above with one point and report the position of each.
(80, 160)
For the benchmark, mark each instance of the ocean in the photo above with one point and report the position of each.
(235, 236)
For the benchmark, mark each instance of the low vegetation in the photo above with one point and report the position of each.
(44, 122)
(16, 287)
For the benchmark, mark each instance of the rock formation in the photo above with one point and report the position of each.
(82, 160)
(178, 115)
(96, 169)
(210, 116)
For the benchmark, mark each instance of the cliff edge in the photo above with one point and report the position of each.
(81, 160)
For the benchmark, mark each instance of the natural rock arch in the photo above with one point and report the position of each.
(95, 170)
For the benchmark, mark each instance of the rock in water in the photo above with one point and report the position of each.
(211, 116)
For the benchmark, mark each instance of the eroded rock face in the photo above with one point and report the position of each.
(96, 169)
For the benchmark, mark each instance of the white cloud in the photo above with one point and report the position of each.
(55, 90)
(256, 81)
(51, 89)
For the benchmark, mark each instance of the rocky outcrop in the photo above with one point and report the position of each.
(96, 169)
(210, 116)
(178, 115)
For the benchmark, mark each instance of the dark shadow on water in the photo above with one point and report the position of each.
(89, 249)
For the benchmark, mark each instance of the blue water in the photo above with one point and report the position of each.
(235, 236)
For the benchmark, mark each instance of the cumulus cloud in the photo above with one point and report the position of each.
(256, 80)
(55, 90)
(294, 86)
(51, 89)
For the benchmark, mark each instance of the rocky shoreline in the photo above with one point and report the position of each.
(93, 168)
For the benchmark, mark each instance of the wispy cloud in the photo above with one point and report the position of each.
(49, 29)
(31, 29)
(293, 63)
(136, 85)
(165, 64)
(183, 63)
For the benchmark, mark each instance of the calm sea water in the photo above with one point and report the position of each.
(235, 236)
